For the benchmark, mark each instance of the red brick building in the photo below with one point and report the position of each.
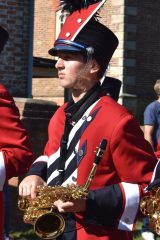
(15, 59)
(34, 25)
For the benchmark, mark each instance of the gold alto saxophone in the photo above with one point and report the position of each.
(40, 212)
(150, 207)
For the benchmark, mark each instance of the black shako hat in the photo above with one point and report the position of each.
(82, 32)
(112, 86)
(3, 38)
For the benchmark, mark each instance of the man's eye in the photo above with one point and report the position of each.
(68, 58)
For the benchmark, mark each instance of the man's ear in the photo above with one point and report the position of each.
(95, 66)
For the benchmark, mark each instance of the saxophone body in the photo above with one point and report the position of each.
(41, 213)
(150, 207)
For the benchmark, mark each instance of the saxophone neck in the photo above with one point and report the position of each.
(90, 177)
(99, 154)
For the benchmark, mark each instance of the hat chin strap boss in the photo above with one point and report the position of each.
(90, 52)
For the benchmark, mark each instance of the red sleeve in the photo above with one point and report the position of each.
(15, 149)
(131, 151)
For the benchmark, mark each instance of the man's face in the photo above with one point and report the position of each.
(72, 70)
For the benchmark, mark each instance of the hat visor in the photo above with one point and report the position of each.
(63, 48)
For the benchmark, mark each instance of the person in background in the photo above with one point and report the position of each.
(84, 49)
(152, 134)
(15, 150)
(152, 119)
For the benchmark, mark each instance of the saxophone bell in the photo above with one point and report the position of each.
(49, 225)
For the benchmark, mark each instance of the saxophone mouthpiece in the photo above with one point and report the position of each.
(100, 151)
(103, 144)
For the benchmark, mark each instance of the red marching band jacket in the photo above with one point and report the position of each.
(15, 150)
(123, 173)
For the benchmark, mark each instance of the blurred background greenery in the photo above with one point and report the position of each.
(30, 235)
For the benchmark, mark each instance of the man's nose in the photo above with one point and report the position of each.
(59, 63)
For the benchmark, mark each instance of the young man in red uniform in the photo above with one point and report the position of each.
(84, 49)
(15, 150)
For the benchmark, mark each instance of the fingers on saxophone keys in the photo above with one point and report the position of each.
(59, 205)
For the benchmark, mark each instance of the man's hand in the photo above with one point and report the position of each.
(29, 184)
(77, 205)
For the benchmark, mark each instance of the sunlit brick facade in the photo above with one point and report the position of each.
(33, 26)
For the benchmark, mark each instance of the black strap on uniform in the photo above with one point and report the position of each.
(91, 98)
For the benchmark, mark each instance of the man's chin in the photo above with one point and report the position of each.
(65, 85)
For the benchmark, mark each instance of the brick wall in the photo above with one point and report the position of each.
(129, 98)
(44, 27)
(136, 61)
(113, 17)
(44, 36)
(147, 52)
(14, 16)
(140, 62)
(48, 89)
